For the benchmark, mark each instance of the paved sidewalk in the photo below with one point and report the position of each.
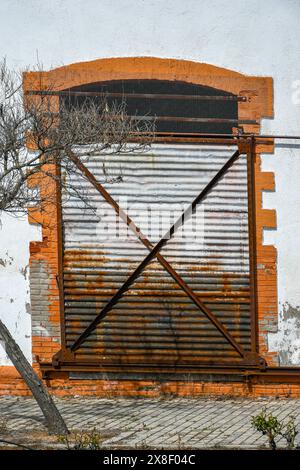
(138, 423)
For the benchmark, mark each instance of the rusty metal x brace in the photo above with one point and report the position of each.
(154, 252)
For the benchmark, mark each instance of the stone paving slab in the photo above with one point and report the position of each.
(153, 423)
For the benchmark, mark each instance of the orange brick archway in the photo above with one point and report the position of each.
(46, 334)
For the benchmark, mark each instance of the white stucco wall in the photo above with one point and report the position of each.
(15, 235)
(255, 38)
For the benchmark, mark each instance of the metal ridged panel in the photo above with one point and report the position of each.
(155, 322)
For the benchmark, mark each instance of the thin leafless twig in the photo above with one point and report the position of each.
(35, 139)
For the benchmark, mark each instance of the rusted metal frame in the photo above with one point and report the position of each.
(190, 119)
(60, 277)
(158, 367)
(154, 252)
(156, 96)
(178, 139)
(178, 119)
(206, 135)
(251, 157)
(259, 138)
(274, 374)
(182, 139)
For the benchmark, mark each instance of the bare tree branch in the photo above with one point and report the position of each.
(36, 140)
(34, 137)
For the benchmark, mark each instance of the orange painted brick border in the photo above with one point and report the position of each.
(259, 93)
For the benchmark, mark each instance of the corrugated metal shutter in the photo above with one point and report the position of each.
(155, 322)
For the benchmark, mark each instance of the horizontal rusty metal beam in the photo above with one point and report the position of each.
(271, 374)
(155, 96)
(238, 137)
(154, 118)
(185, 138)
(69, 363)
(193, 119)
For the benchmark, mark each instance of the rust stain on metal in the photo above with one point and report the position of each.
(154, 319)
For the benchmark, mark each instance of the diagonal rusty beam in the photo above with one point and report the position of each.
(154, 252)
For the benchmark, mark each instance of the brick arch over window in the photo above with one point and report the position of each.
(258, 92)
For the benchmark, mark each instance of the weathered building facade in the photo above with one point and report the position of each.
(209, 311)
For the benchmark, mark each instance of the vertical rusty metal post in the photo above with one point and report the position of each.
(60, 254)
(251, 162)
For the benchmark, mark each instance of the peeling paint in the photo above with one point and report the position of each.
(7, 261)
(15, 235)
(290, 312)
(286, 341)
(28, 308)
(24, 271)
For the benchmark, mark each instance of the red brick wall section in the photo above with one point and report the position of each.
(43, 278)
(12, 384)
(44, 255)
